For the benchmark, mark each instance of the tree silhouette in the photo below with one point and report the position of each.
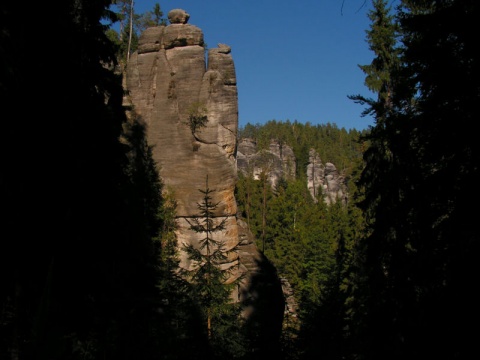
(417, 262)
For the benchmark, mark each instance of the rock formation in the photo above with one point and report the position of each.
(171, 88)
(325, 179)
(190, 110)
(279, 161)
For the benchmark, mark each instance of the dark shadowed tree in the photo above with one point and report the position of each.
(418, 256)
(79, 192)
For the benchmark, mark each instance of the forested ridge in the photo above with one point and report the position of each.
(88, 249)
(341, 147)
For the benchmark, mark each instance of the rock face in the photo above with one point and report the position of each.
(279, 161)
(190, 112)
(325, 179)
(170, 87)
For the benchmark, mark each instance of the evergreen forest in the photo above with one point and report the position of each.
(88, 253)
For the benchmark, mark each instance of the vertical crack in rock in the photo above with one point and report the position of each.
(154, 77)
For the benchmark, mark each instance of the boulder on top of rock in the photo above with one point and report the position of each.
(178, 16)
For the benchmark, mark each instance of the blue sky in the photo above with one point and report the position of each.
(294, 59)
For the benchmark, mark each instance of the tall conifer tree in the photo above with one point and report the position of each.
(212, 283)
(417, 170)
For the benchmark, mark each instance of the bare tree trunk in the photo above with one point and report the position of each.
(313, 177)
(131, 30)
(209, 324)
(15, 349)
(264, 211)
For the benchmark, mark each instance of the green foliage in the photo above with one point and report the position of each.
(158, 15)
(309, 243)
(285, 241)
(89, 287)
(211, 283)
(182, 330)
(150, 19)
(197, 116)
(338, 146)
(126, 39)
(168, 236)
(382, 40)
(103, 282)
(294, 223)
(413, 266)
(245, 191)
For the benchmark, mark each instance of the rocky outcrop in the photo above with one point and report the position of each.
(277, 162)
(190, 111)
(325, 179)
(171, 89)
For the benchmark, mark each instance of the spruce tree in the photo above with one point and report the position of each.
(382, 41)
(414, 293)
(443, 236)
(212, 282)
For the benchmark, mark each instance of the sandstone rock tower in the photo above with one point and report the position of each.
(169, 81)
(170, 84)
